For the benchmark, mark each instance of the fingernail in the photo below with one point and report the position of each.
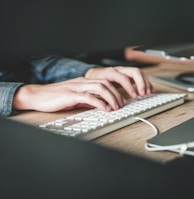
(143, 92)
(148, 91)
(134, 95)
(125, 101)
(108, 108)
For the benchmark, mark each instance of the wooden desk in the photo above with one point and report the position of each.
(132, 138)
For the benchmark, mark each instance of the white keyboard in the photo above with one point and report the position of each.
(94, 123)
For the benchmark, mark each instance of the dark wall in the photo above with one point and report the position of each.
(30, 27)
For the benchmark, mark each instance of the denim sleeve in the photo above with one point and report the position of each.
(56, 69)
(44, 70)
(7, 91)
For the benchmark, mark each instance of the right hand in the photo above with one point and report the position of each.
(78, 92)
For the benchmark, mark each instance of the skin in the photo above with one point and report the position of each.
(99, 88)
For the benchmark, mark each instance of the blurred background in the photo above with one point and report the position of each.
(61, 26)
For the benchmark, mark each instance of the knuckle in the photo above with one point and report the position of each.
(137, 70)
(100, 86)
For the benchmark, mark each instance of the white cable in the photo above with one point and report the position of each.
(149, 123)
(181, 148)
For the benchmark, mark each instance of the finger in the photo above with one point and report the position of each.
(103, 89)
(141, 81)
(117, 95)
(149, 88)
(92, 100)
(123, 80)
(114, 76)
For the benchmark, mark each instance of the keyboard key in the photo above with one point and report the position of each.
(94, 123)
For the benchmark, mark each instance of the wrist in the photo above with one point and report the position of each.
(22, 99)
(90, 74)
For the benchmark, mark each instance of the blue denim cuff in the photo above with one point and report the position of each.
(7, 92)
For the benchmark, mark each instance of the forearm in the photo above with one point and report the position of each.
(7, 93)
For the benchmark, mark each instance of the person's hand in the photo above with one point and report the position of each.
(125, 77)
(131, 54)
(96, 89)
(79, 92)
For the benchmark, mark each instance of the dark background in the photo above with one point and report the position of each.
(73, 26)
